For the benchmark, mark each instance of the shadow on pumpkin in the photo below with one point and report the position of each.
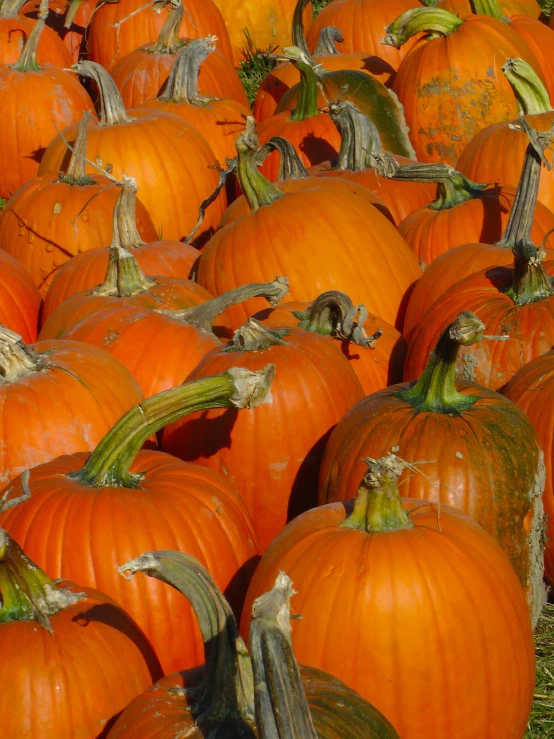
(317, 150)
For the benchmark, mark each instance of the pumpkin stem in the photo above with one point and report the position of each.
(125, 230)
(202, 316)
(27, 592)
(16, 358)
(327, 41)
(109, 463)
(27, 61)
(487, 7)
(531, 282)
(253, 336)
(308, 90)
(226, 692)
(334, 314)
(433, 21)
(10, 8)
(281, 706)
(529, 90)
(168, 41)
(435, 391)
(182, 85)
(76, 170)
(298, 36)
(378, 505)
(360, 143)
(124, 278)
(112, 109)
(257, 190)
(291, 166)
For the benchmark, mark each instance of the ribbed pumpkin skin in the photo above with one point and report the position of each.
(509, 8)
(19, 299)
(429, 614)
(375, 367)
(159, 713)
(15, 31)
(72, 682)
(106, 45)
(362, 24)
(97, 529)
(436, 97)
(47, 222)
(450, 268)
(489, 363)
(65, 408)
(24, 129)
(308, 237)
(158, 350)
(496, 153)
(141, 75)
(531, 390)
(268, 21)
(272, 454)
(483, 461)
(171, 162)
(86, 270)
(429, 233)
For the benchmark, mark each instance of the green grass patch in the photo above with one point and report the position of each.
(541, 723)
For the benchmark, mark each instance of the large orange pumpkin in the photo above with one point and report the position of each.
(406, 601)
(19, 299)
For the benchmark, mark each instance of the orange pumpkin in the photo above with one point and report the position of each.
(19, 298)
(15, 29)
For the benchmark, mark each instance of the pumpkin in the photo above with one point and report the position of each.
(67, 18)
(224, 696)
(170, 161)
(15, 29)
(476, 46)
(219, 120)
(509, 8)
(142, 74)
(432, 585)
(119, 499)
(47, 651)
(469, 462)
(24, 130)
(52, 218)
(495, 154)
(122, 27)
(307, 233)
(530, 390)
(88, 269)
(57, 398)
(276, 480)
(19, 299)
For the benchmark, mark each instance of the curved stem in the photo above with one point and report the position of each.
(27, 61)
(168, 41)
(282, 709)
(329, 37)
(124, 278)
(291, 166)
(182, 85)
(360, 145)
(435, 391)
(28, 594)
(226, 692)
(529, 90)
(16, 358)
(125, 229)
(257, 190)
(109, 463)
(253, 336)
(112, 109)
(333, 314)
(202, 316)
(378, 505)
(298, 36)
(76, 170)
(420, 20)
(308, 90)
(487, 7)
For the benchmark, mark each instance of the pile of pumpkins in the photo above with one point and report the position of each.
(276, 375)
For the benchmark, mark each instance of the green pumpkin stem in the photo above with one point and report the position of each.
(253, 336)
(124, 277)
(109, 463)
(27, 61)
(225, 694)
(327, 41)
(27, 592)
(298, 36)
(436, 391)
(433, 21)
(308, 90)
(182, 85)
(112, 108)
(76, 170)
(529, 90)
(531, 282)
(291, 166)
(360, 145)
(168, 41)
(257, 190)
(282, 709)
(378, 505)
(16, 358)
(487, 7)
(334, 314)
